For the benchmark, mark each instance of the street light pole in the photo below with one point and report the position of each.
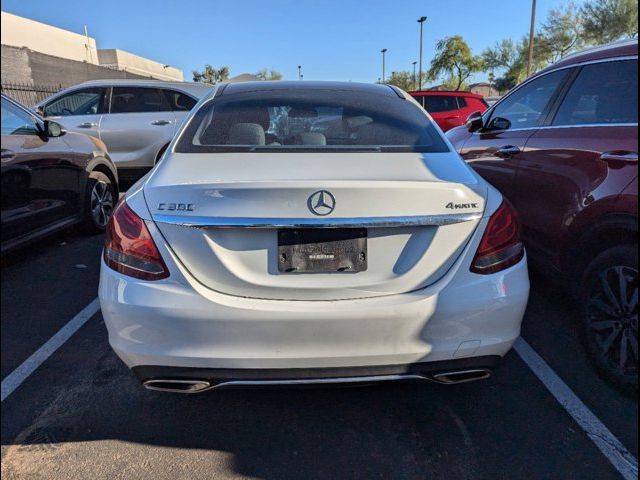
(421, 22)
(531, 32)
(383, 51)
(414, 75)
(299, 72)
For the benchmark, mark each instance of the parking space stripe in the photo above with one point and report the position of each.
(26, 368)
(609, 445)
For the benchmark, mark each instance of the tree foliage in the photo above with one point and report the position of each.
(608, 20)
(269, 74)
(564, 30)
(405, 80)
(211, 75)
(454, 60)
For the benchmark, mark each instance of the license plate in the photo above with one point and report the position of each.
(322, 250)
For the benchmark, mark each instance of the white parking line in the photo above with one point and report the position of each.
(26, 368)
(609, 445)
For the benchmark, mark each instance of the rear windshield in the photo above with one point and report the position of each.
(314, 120)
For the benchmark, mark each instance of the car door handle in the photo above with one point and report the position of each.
(7, 154)
(620, 156)
(508, 151)
(88, 125)
(160, 122)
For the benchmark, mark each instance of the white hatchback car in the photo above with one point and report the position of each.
(311, 232)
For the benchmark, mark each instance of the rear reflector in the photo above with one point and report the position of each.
(500, 246)
(129, 248)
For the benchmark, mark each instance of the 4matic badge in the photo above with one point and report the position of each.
(458, 206)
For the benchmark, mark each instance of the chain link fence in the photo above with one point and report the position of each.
(29, 94)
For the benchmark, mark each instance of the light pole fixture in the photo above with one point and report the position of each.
(383, 51)
(421, 21)
(414, 75)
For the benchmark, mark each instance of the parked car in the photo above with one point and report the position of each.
(450, 109)
(254, 256)
(563, 148)
(51, 179)
(136, 119)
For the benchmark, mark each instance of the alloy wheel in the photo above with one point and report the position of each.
(101, 203)
(612, 318)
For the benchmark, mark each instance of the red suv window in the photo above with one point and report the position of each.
(440, 103)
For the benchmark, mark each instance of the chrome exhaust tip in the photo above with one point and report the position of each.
(461, 376)
(177, 386)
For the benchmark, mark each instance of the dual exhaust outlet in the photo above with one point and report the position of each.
(201, 385)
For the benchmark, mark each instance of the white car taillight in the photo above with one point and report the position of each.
(500, 246)
(129, 248)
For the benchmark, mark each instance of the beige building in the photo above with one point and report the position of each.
(20, 32)
(121, 60)
(40, 37)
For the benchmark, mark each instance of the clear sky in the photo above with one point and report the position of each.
(331, 39)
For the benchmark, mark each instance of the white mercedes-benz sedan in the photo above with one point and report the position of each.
(311, 233)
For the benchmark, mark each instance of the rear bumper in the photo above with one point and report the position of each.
(218, 377)
(179, 323)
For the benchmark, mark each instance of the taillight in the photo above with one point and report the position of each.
(129, 248)
(500, 246)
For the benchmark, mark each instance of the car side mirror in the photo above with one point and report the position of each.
(474, 122)
(53, 129)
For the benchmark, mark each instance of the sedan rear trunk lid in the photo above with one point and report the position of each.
(220, 213)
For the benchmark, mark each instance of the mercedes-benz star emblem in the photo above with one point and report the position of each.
(321, 203)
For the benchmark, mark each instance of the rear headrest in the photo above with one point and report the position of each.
(311, 138)
(357, 121)
(246, 134)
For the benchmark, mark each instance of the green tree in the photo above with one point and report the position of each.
(454, 60)
(266, 74)
(500, 57)
(562, 32)
(509, 59)
(211, 75)
(605, 21)
(403, 79)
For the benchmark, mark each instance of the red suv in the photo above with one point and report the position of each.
(563, 148)
(450, 109)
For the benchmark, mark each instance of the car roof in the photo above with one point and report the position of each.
(435, 93)
(141, 82)
(197, 90)
(623, 48)
(306, 85)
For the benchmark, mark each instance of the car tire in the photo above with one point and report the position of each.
(609, 310)
(100, 199)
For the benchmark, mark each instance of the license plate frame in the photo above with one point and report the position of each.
(322, 250)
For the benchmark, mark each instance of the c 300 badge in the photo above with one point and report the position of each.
(178, 207)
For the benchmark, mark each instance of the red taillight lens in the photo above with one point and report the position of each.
(500, 246)
(129, 248)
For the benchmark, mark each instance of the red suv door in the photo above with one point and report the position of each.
(496, 150)
(582, 160)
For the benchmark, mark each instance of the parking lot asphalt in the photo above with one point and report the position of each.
(82, 414)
